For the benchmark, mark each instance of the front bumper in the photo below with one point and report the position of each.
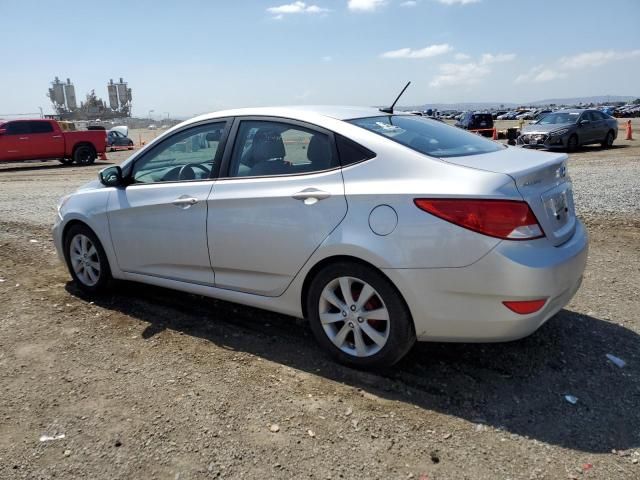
(542, 140)
(465, 304)
(56, 233)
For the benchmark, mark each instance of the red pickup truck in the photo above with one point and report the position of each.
(44, 139)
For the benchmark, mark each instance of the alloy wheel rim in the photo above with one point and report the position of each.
(84, 260)
(354, 316)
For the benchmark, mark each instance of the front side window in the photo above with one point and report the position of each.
(266, 148)
(18, 128)
(192, 154)
(427, 136)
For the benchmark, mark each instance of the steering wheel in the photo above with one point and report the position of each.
(186, 171)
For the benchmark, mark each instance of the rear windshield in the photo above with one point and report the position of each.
(427, 136)
(482, 117)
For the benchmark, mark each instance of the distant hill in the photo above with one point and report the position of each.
(579, 100)
(508, 105)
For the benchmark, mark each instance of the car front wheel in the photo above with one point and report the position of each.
(86, 259)
(572, 143)
(608, 140)
(358, 316)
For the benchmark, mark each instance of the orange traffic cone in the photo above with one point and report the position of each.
(629, 131)
(495, 133)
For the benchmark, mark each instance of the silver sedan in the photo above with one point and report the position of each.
(381, 229)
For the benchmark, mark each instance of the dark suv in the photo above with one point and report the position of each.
(477, 121)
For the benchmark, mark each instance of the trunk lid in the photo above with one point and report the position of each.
(542, 180)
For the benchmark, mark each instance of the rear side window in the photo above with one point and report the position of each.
(18, 128)
(40, 127)
(427, 136)
(350, 152)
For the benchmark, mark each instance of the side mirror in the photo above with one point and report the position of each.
(3, 131)
(111, 176)
(583, 122)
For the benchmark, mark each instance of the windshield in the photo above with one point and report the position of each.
(558, 118)
(427, 136)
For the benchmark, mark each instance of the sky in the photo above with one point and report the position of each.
(187, 57)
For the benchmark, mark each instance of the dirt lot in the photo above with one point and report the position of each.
(149, 383)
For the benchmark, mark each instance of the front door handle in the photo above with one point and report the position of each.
(310, 195)
(184, 201)
(23, 138)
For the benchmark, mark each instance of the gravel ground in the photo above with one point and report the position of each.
(149, 383)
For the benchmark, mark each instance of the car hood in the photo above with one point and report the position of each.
(537, 128)
(92, 185)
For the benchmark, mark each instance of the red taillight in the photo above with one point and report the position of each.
(524, 307)
(506, 219)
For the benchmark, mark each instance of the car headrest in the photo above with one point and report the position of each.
(319, 153)
(267, 144)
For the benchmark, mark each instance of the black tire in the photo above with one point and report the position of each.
(401, 334)
(84, 155)
(608, 140)
(104, 277)
(572, 143)
(65, 161)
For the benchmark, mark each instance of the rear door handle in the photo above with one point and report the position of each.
(310, 195)
(57, 136)
(23, 138)
(184, 201)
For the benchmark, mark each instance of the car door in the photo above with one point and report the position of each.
(158, 222)
(601, 128)
(588, 128)
(14, 142)
(44, 142)
(281, 196)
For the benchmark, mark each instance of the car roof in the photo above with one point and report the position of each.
(300, 112)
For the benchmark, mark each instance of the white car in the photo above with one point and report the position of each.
(379, 228)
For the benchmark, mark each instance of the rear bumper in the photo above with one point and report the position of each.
(465, 304)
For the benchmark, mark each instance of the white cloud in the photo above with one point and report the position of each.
(462, 57)
(468, 73)
(409, 3)
(460, 74)
(365, 5)
(327, 58)
(540, 74)
(597, 58)
(458, 2)
(294, 8)
(546, 73)
(488, 58)
(426, 52)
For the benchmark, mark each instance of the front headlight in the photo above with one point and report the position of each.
(63, 201)
(559, 132)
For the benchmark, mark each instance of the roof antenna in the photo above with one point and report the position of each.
(390, 109)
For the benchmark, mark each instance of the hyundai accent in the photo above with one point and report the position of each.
(380, 228)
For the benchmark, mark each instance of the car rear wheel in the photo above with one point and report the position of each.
(608, 140)
(572, 143)
(358, 316)
(84, 155)
(86, 259)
